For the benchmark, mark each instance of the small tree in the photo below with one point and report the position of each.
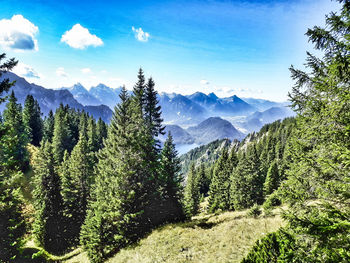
(49, 224)
(191, 196)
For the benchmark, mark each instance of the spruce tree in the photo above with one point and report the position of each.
(139, 91)
(246, 187)
(62, 136)
(32, 120)
(319, 173)
(171, 188)
(12, 226)
(153, 110)
(49, 224)
(101, 133)
(219, 193)
(191, 196)
(92, 134)
(5, 84)
(49, 126)
(14, 140)
(272, 179)
(77, 175)
(203, 181)
(120, 195)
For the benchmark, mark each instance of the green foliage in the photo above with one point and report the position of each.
(276, 247)
(319, 173)
(77, 175)
(12, 158)
(247, 180)
(219, 193)
(14, 140)
(254, 211)
(32, 120)
(49, 126)
(12, 227)
(66, 131)
(101, 132)
(131, 190)
(207, 154)
(272, 179)
(5, 84)
(49, 224)
(191, 196)
(171, 189)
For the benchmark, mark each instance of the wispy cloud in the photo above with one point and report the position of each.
(80, 38)
(61, 73)
(27, 71)
(204, 82)
(140, 35)
(18, 33)
(86, 70)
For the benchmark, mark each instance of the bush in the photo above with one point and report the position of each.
(274, 247)
(254, 211)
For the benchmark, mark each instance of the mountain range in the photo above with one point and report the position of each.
(50, 99)
(193, 120)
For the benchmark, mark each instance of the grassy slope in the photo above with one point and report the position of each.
(207, 238)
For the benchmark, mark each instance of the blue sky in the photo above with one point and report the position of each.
(226, 47)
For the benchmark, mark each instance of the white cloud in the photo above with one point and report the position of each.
(86, 70)
(18, 33)
(27, 71)
(204, 82)
(79, 37)
(140, 35)
(61, 73)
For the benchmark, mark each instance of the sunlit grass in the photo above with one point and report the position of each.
(225, 237)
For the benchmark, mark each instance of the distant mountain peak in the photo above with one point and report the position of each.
(212, 95)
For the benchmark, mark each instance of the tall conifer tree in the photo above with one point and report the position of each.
(32, 120)
(191, 196)
(171, 188)
(49, 224)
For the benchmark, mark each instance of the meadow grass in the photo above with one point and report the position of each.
(225, 237)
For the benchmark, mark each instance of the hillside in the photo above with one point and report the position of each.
(50, 99)
(207, 238)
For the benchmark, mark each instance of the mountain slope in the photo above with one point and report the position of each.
(106, 95)
(82, 95)
(180, 136)
(50, 99)
(212, 129)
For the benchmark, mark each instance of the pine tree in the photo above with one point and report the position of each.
(5, 84)
(92, 134)
(320, 148)
(247, 180)
(153, 110)
(139, 91)
(171, 182)
(112, 223)
(203, 181)
(77, 176)
(14, 140)
(49, 126)
(32, 120)
(191, 196)
(12, 226)
(49, 224)
(219, 193)
(272, 179)
(101, 133)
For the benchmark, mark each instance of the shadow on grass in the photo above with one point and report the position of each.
(26, 256)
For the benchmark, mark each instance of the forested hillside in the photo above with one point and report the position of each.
(71, 183)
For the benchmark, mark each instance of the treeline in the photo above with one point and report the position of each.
(245, 174)
(98, 186)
